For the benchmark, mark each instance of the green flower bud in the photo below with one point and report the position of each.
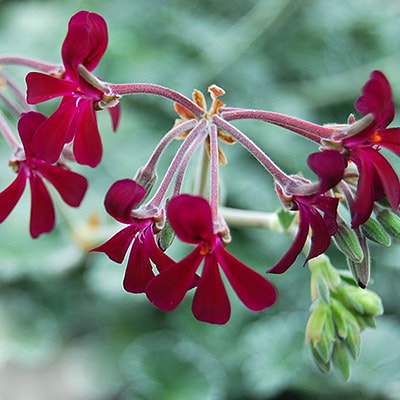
(347, 242)
(369, 301)
(353, 341)
(389, 221)
(324, 347)
(341, 360)
(322, 265)
(361, 271)
(165, 237)
(374, 231)
(348, 301)
(339, 319)
(324, 367)
(316, 322)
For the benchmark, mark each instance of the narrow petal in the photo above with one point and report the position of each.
(167, 290)
(87, 147)
(320, 238)
(118, 245)
(190, 218)
(42, 209)
(211, 302)
(85, 42)
(255, 291)
(297, 246)
(376, 98)
(364, 201)
(50, 138)
(139, 270)
(10, 196)
(391, 140)
(329, 165)
(42, 87)
(122, 197)
(388, 177)
(28, 124)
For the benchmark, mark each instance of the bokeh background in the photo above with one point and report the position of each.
(67, 329)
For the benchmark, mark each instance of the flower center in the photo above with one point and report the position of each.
(376, 137)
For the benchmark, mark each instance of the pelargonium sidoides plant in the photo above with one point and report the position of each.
(354, 200)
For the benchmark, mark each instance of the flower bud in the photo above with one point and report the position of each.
(316, 322)
(360, 271)
(374, 231)
(146, 178)
(324, 367)
(339, 319)
(165, 237)
(369, 301)
(353, 341)
(347, 242)
(341, 360)
(390, 222)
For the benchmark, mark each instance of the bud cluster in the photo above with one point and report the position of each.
(339, 312)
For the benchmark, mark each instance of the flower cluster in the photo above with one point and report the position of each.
(351, 172)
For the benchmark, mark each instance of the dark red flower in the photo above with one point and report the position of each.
(70, 185)
(329, 165)
(376, 175)
(75, 117)
(190, 217)
(122, 197)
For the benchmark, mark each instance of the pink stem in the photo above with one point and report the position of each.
(28, 62)
(149, 88)
(307, 129)
(262, 158)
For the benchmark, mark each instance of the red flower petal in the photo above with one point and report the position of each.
(70, 185)
(320, 238)
(139, 270)
(255, 291)
(391, 140)
(122, 197)
(168, 289)
(85, 42)
(376, 98)
(87, 146)
(297, 245)
(190, 218)
(10, 196)
(42, 87)
(42, 209)
(28, 124)
(211, 302)
(387, 175)
(329, 165)
(118, 245)
(50, 138)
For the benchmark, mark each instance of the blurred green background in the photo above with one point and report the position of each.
(67, 329)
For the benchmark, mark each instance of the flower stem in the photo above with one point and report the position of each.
(262, 158)
(304, 128)
(28, 62)
(8, 135)
(214, 172)
(199, 129)
(157, 90)
(202, 173)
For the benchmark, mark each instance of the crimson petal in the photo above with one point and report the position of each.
(168, 289)
(42, 209)
(118, 245)
(70, 185)
(297, 245)
(42, 87)
(122, 197)
(190, 218)
(138, 271)
(211, 302)
(87, 146)
(329, 165)
(255, 291)
(10, 196)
